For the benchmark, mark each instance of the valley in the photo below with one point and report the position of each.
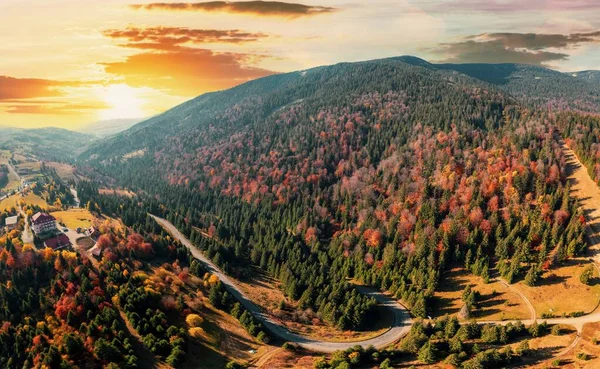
(389, 213)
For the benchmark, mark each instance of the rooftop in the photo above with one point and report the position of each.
(40, 218)
(12, 220)
(58, 242)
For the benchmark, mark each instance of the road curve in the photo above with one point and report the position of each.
(532, 314)
(400, 327)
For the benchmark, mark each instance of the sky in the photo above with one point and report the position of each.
(68, 63)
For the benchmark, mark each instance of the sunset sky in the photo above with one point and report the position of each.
(67, 63)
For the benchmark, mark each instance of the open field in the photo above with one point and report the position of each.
(65, 171)
(570, 360)
(265, 292)
(30, 198)
(110, 191)
(560, 291)
(75, 218)
(13, 180)
(497, 301)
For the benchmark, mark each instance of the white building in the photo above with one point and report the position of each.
(43, 222)
(11, 222)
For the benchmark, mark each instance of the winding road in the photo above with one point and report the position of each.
(400, 327)
(582, 187)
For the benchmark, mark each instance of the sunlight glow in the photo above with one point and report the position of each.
(123, 101)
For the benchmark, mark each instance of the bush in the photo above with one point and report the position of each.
(583, 356)
(196, 332)
(194, 320)
(556, 330)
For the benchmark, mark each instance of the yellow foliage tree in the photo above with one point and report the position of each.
(196, 332)
(213, 279)
(194, 320)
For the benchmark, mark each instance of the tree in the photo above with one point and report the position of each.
(587, 274)
(427, 354)
(532, 276)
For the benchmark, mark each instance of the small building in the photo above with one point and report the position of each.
(59, 242)
(11, 222)
(93, 232)
(43, 223)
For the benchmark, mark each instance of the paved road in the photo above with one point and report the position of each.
(400, 327)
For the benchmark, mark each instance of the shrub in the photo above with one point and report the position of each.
(196, 332)
(194, 320)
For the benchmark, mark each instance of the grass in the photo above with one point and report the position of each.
(560, 291)
(110, 191)
(75, 218)
(30, 198)
(497, 301)
(65, 171)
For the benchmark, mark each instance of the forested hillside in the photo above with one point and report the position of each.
(381, 171)
(536, 86)
(51, 144)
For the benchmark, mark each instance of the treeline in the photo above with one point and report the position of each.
(470, 346)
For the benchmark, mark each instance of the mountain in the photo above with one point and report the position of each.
(534, 85)
(588, 75)
(104, 128)
(216, 116)
(44, 143)
(387, 172)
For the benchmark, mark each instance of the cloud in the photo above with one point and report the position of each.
(173, 38)
(512, 6)
(50, 107)
(27, 88)
(174, 60)
(43, 96)
(188, 71)
(258, 8)
(526, 48)
(536, 41)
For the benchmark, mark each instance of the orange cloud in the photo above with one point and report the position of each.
(172, 38)
(259, 8)
(46, 107)
(41, 96)
(27, 88)
(187, 72)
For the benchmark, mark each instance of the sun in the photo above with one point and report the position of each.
(123, 101)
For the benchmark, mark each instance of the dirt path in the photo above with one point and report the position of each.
(587, 192)
(400, 327)
(532, 314)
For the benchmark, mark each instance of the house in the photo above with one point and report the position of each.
(59, 242)
(93, 232)
(11, 222)
(43, 223)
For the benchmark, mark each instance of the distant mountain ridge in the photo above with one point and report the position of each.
(535, 85)
(45, 143)
(532, 84)
(104, 128)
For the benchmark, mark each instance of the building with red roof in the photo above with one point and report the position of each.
(43, 223)
(59, 242)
